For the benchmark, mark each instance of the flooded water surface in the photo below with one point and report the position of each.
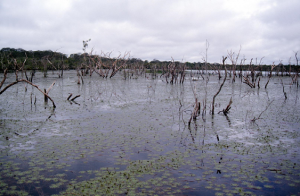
(133, 137)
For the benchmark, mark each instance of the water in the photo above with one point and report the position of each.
(132, 137)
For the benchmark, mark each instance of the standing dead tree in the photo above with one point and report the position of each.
(259, 67)
(214, 98)
(270, 75)
(175, 70)
(123, 63)
(102, 64)
(296, 57)
(197, 107)
(234, 59)
(227, 109)
(246, 81)
(182, 68)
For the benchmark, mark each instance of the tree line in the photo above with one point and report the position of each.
(53, 60)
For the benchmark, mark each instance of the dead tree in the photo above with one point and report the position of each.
(26, 81)
(270, 75)
(234, 59)
(18, 69)
(227, 109)
(213, 103)
(246, 81)
(296, 57)
(123, 62)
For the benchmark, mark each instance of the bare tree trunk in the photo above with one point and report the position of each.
(213, 103)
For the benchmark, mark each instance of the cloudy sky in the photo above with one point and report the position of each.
(156, 29)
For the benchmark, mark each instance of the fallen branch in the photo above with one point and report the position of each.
(23, 80)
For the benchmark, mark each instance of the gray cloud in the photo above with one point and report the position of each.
(155, 29)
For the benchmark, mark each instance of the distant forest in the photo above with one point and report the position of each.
(11, 59)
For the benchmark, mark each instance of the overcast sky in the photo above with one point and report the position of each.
(156, 29)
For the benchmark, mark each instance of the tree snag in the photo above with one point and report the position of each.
(213, 103)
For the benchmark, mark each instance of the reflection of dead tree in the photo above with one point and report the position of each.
(33, 131)
(283, 89)
(259, 116)
(213, 103)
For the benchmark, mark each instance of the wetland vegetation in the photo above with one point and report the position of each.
(115, 129)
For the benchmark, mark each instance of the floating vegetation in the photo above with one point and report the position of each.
(133, 138)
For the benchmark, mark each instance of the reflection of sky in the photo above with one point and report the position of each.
(122, 122)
